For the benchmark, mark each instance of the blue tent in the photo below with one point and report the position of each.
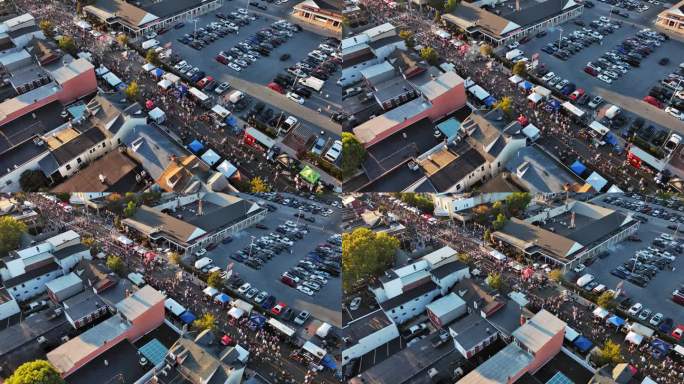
(231, 121)
(329, 362)
(616, 321)
(187, 317)
(610, 139)
(554, 104)
(526, 85)
(121, 86)
(195, 146)
(578, 167)
(583, 344)
(660, 348)
(256, 321)
(157, 72)
(222, 298)
(489, 101)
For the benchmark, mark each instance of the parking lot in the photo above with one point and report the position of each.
(324, 304)
(656, 295)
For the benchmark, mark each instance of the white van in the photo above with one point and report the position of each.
(599, 288)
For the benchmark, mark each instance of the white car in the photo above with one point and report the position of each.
(201, 252)
(355, 303)
(261, 297)
(636, 308)
(611, 74)
(580, 268)
(675, 112)
(235, 67)
(180, 65)
(295, 97)
(513, 45)
(548, 76)
(244, 288)
(656, 319)
(242, 11)
(222, 88)
(605, 78)
(305, 290)
(334, 151)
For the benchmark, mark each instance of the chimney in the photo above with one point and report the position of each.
(517, 5)
(572, 220)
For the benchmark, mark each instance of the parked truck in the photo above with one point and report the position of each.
(236, 96)
(312, 82)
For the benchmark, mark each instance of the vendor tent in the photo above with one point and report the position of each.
(489, 101)
(287, 331)
(531, 132)
(227, 168)
(601, 312)
(188, 317)
(220, 111)
(660, 348)
(641, 329)
(124, 240)
(554, 104)
(583, 344)
(568, 106)
(616, 321)
(164, 84)
(541, 91)
(634, 338)
(236, 313)
(571, 334)
(210, 157)
(515, 79)
(329, 362)
(157, 72)
(222, 298)
(314, 349)
(442, 33)
(111, 79)
(597, 181)
(599, 128)
(171, 77)
(174, 307)
(578, 167)
(256, 321)
(323, 330)
(309, 175)
(148, 67)
(497, 255)
(526, 85)
(210, 291)
(157, 115)
(534, 97)
(195, 146)
(245, 306)
(679, 349)
(467, 83)
(101, 71)
(478, 92)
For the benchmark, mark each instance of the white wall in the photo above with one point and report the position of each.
(8, 309)
(68, 263)
(33, 287)
(86, 157)
(10, 182)
(447, 282)
(370, 342)
(413, 308)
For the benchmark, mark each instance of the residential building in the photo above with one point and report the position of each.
(84, 309)
(9, 308)
(472, 334)
(64, 287)
(366, 333)
(368, 48)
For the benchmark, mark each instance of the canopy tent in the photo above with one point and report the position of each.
(124, 240)
(578, 167)
(601, 312)
(188, 317)
(543, 92)
(289, 332)
(583, 344)
(149, 104)
(164, 84)
(210, 291)
(236, 313)
(599, 128)
(245, 306)
(329, 362)
(531, 132)
(314, 349)
(523, 120)
(196, 146)
(174, 307)
(121, 86)
(227, 168)
(660, 348)
(554, 104)
(323, 330)
(611, 139)
(256, 321)
(157, 115)
(634, 338)
(489, 101)
(679, 349)
(526, 85)
(527, 273)
(150, 256)
(231, 121)
(597, 181)
(648, 380)
(309, 175)
(571, 334)
(515, 79)
(157, 72)
(220, 111)
(641, 329)
(534, 97)
(568, 106)
(148, 67)
(101, 71)
(497, 255)
(442, 33)
(210, 157)
(614, 189)
(111, 79)
(616, 321)
(171, 77)
(467, 83)
(222, 298)
(478, 92)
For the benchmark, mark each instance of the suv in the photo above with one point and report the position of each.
(302, 317)
(636, 308)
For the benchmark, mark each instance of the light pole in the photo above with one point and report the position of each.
(194, 32)
(251, 244)
(560, 37)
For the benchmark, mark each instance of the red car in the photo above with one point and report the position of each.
(678, 332)
(203, 83)
(591, 71)
(279, 308)
(575, 95)
(222, 60)
(288, 281)
(653, 101)
(276, 88)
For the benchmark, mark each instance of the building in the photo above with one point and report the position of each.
(9, 308)
(566, 234)
(64, 287)
(445, 310)
(323, 14)
(503, 24)
(84, 309)
(143, 17)
(136, 315)
(472, 334)
(20, 30)
(367, 333)
(367, 49)
(207, 218)
(672, 19)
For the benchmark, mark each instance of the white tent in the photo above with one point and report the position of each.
(515, 79)
(568, 106)
(101, 71)
(497, 255)
(124, 240)
(467, 83)
(597, 181)
(227, 168)
(543, 92)
(164, 84)
(236, 313)
(157, 115)
(203, 262)
(601, 312)
(570, 334)
(314, 349)
(531, 131)
(679, 349)
(534, 97)
(634, 338)
(599, 128)
(210, 157)
(210, 291)
(323, 330)
(243, 305)
(442, 33)
(641, 329)
(289, 332)
(111, 79)
(171, 77)
(148, 67)
(478, 92)
(174, 307)
(220, 111)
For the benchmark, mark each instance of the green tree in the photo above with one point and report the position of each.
(486, 50)
(174, 258)
(116, 264)
(606, 300)
(366, 254)
(451, 5)
(519, 68)
(499, 222)
(257, 185)
(130, 209)
(66, 44)
(488, 236)
(132, 90)
(152, 57)
(505, 105)
(556, 275)
(610, 353)
(353, 154)
(436, 4)
(517, 202)
(33, 180)
(407, 36)
(207, 321)
(122, 39)
(11, 230)
(429, 54)
(35, 372)
(495, 280)
(47, 28)
(214, 279)
(464, 257)
(63, 196)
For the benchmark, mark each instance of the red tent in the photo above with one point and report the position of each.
(149, 104)
(527, 273)
(523, 120)
(150, 256)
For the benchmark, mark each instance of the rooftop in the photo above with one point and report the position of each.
(367, 325)
(149, 220)
(63, 282)
(118, 169)
(122, 366)
(138, 303)
(499, 368)
(540, 173)
(412, 293)
(538, 330)
(369, 130)
(446, 304)
(83, 304)
(471, 330)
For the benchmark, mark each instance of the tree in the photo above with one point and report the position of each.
(63, 196)
(353, 154)
(519, 68)
(130, 209)
(517, 202)
(499, 222)
(35, 372)
(486, 50)
(11, 230)
(207, 321)
(132, 90)
(429, 54)
(33, 180)
(464, 257)
(47, 28)
(488, 235)
(407, 36)
(451, 5)
(66, 44)
(438, 17)
(606, 300)
(436, 4)
(214, 279)
(610, 353)
(174, 258)
(505, 105)
(366, 254)
(556, 275)
(257, 185)
(116, 264)
(495, 280)
(122, 39)
(152, 57)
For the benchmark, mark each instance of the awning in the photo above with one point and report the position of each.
(634, 338)
(195, 146)
(188, 317)
(210, 291)
(616, 321)
(174, 307)
(601, 312)
(597, 181)
(309, 175)
(583, 344)
(222, 298)
(534, 97)
(571, 334)
(489, 101)
(578, 167)
(227, 168)
(210, 157)
(515, 79)
(236, 313)
(526, 85)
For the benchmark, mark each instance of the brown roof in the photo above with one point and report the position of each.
(115, 166)
(467, 15)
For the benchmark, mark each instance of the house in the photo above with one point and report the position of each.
(367, 333)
